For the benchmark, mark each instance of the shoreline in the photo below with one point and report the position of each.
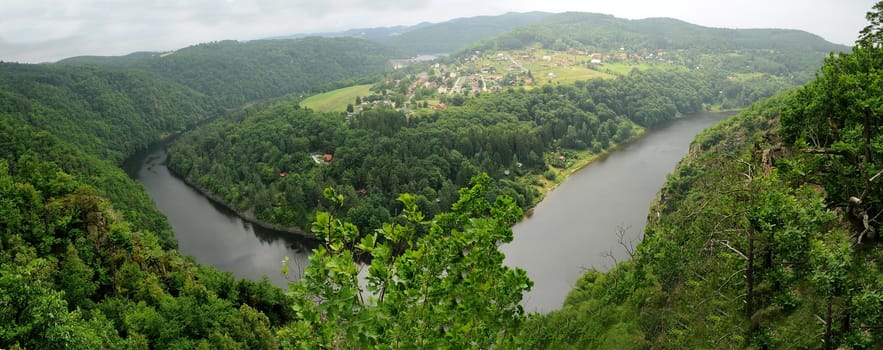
(563, 174)
(585, 159)
(546, 188)
(580, 164)
(248, 217)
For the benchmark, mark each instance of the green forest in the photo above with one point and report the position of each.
(234, 73)
(86, 259)
(779, 52)
(765, 236)
(439, 38)
(260, 161)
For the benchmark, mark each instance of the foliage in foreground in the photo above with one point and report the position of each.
(75, 275)
(429, 284)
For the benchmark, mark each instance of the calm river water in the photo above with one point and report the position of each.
(575, 226)
(571, 230)
(212, 233)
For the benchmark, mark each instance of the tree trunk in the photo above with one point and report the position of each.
(866, 132)
(749, 276)
(749, 288)
(828, 344)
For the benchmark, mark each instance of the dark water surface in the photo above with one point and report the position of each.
(575, 226)
(213, 234)
(569, 231)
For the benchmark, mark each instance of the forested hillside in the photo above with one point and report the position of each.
(439, 38)
(233, 73)
(78, 270)
(107, 109)
(86, 260)
(98, 116)
(766, 235)
(453, 35)
(261, 163)
(788, 53)
(108, 112)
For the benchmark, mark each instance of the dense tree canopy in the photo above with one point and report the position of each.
(235, 73)
(86, 120)
(75, 274)
(837, 118)
(86, 260)
(766, 236)
(108, 112)
(260, 161)
(789, 53)
(430, 284)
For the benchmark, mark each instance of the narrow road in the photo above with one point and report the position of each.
(457, 86)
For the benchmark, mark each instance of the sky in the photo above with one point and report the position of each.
(33, 31)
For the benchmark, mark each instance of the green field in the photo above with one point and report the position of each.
(566, 68)
(336, 100)
(565, 75)
(622, 68)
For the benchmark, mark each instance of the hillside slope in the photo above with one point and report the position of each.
(778, 52)
(438, 38)
(75, 272)
(234, 73)
(458, 33)
(86, 260)
(100, 116)
(763, 237)
(110, 112)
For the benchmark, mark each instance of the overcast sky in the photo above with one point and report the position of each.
(48, 30)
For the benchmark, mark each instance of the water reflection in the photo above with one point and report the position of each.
(212, 233)
(574, 228)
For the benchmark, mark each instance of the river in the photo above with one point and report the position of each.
(213, 234)
(575, 227)
(571, 230)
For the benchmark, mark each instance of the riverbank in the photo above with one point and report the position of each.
(587, 221)
(576, 163)
(571, 230)
(246, 216)
(586, 158)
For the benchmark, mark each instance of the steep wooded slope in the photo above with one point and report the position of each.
(764, 237)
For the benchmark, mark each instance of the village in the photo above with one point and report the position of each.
(416, 85)
(424, 84)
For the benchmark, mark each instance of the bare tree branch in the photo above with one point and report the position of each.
(620, 238)
(869, 183)
(609, 254)
(726, 243)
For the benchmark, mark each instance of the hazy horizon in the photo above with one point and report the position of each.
(45, 31)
